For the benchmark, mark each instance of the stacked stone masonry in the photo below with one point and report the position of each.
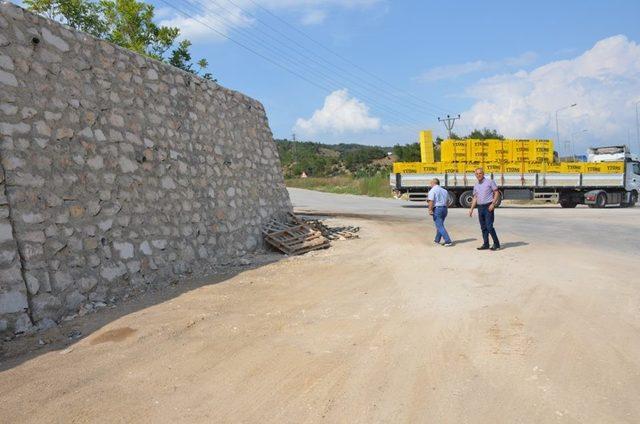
(118, 172)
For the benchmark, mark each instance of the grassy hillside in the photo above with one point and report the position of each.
(330, 160)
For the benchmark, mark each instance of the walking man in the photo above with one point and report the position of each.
(437, 199)
(485, 197)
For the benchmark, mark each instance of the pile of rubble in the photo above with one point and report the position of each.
(295, 235)
(333, 233)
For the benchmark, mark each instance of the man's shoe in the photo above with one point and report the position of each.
(437, 242)
(483, 248)
(494, 248)
(448, 244)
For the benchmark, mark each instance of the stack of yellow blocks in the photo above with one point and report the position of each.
(502, 156)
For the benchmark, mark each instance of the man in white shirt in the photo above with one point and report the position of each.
(437, 199)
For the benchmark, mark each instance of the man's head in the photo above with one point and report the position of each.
(479, 174)
(435, 182)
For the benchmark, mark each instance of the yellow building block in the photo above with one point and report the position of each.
(449, 167)
(500, 151)
(572, 167)
(514, 167)
(477, 151)
(552, 168)
(494, 167)
(426, 147)
(429, 168)
(534, 167)
(613, 167)
(540, 150)
(406, 167)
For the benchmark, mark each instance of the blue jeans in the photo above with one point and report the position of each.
(486, 218)
(439, 215)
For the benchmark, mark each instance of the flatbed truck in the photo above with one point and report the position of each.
(596, 190)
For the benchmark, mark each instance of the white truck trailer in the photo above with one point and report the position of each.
(596, 190)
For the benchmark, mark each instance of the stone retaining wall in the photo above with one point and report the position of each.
(118, 171)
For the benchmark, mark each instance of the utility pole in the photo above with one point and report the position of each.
(295, 150)
(449, 122)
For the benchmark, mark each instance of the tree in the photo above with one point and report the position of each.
(127, 23)
(202, 65)
(82, 15)
(180, 56)
(407, 153)
(485, 134)
(130, 25)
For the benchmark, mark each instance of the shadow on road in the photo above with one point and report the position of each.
(467, 240)
(513, 244)
(62, 337)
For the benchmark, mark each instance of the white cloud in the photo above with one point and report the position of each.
(314, 17)
(212, 20)
(456, 70)
(224, 16)
(604, 81)
(339, 114)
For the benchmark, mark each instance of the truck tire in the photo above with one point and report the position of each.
(568, 204)
(452, 200)
(601, 200)
(466, 198)
(633, 199)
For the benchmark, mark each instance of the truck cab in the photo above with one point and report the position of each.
(628, 196)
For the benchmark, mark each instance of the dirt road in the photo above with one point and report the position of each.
(387, 328)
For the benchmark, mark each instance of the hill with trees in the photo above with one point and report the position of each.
(357, 160)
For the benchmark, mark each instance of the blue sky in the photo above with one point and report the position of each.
(507, 65)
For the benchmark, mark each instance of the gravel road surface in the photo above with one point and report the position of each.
(388, 328)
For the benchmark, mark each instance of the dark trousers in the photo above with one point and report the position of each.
(439, 215)
(486, 218)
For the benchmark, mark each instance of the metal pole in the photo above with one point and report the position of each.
(638, 126)
(557, 126)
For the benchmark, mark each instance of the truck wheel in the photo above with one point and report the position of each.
(633, 199)
(601, 200)
(466, 198)
(452, 200)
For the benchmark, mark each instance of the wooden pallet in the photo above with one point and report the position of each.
(293, 237)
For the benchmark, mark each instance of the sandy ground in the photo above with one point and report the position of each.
(388, 328)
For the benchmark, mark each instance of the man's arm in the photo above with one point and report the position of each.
(496, 196)
(430, 206)
(473, 204)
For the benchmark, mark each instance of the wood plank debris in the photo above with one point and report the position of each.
(333, 233)
(296, 235)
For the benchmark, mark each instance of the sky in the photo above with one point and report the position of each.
(377, 71)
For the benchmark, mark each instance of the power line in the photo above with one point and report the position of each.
(400, 118)
(338, 55)
(392, 96)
